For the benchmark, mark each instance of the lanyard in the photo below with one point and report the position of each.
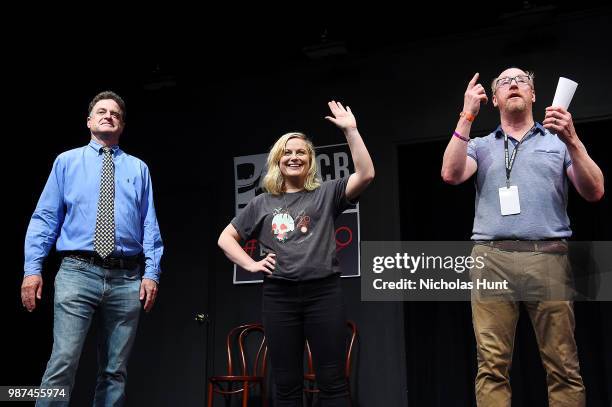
(510, 160)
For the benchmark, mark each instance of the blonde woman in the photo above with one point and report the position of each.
(294, 223)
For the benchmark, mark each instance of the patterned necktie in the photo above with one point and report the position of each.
(104, 239)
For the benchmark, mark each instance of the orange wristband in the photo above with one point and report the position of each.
(468, 116)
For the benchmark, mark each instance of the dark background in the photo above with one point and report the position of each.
(204, 86)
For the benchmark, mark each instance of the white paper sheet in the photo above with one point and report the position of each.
(564, 93)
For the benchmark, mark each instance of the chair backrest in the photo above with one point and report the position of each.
(236, 343)
(349, 351)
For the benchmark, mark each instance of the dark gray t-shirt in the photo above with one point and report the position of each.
(298, 227)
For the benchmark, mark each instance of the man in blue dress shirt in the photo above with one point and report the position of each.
(97, 207)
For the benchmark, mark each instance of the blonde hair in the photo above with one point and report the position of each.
(273, 181)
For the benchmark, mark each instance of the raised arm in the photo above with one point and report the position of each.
(457, 166)
(584, 174)
(364, 168)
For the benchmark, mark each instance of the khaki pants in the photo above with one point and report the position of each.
(495, 318)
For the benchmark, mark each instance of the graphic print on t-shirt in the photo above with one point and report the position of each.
(282, 224)
(303, 223)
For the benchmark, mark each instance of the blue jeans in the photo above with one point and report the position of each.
(81, 290)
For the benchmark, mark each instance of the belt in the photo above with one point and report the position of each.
(544, 246)
(129, 263)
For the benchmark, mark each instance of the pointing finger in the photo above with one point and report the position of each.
(473, 81)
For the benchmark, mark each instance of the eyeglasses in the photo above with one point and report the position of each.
(521, 80)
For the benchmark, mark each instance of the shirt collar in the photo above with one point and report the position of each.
(98, 147)
(499, 132)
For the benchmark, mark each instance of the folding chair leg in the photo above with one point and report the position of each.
(245, 394)
(210, 394)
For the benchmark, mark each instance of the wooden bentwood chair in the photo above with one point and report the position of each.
(247, 378)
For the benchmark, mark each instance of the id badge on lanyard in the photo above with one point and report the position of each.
(509, 201)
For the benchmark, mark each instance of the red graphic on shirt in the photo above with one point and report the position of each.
(249, 247)
(303, 223)
(344, 237)
(282, 224)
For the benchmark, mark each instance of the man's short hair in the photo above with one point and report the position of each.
(108, 94)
